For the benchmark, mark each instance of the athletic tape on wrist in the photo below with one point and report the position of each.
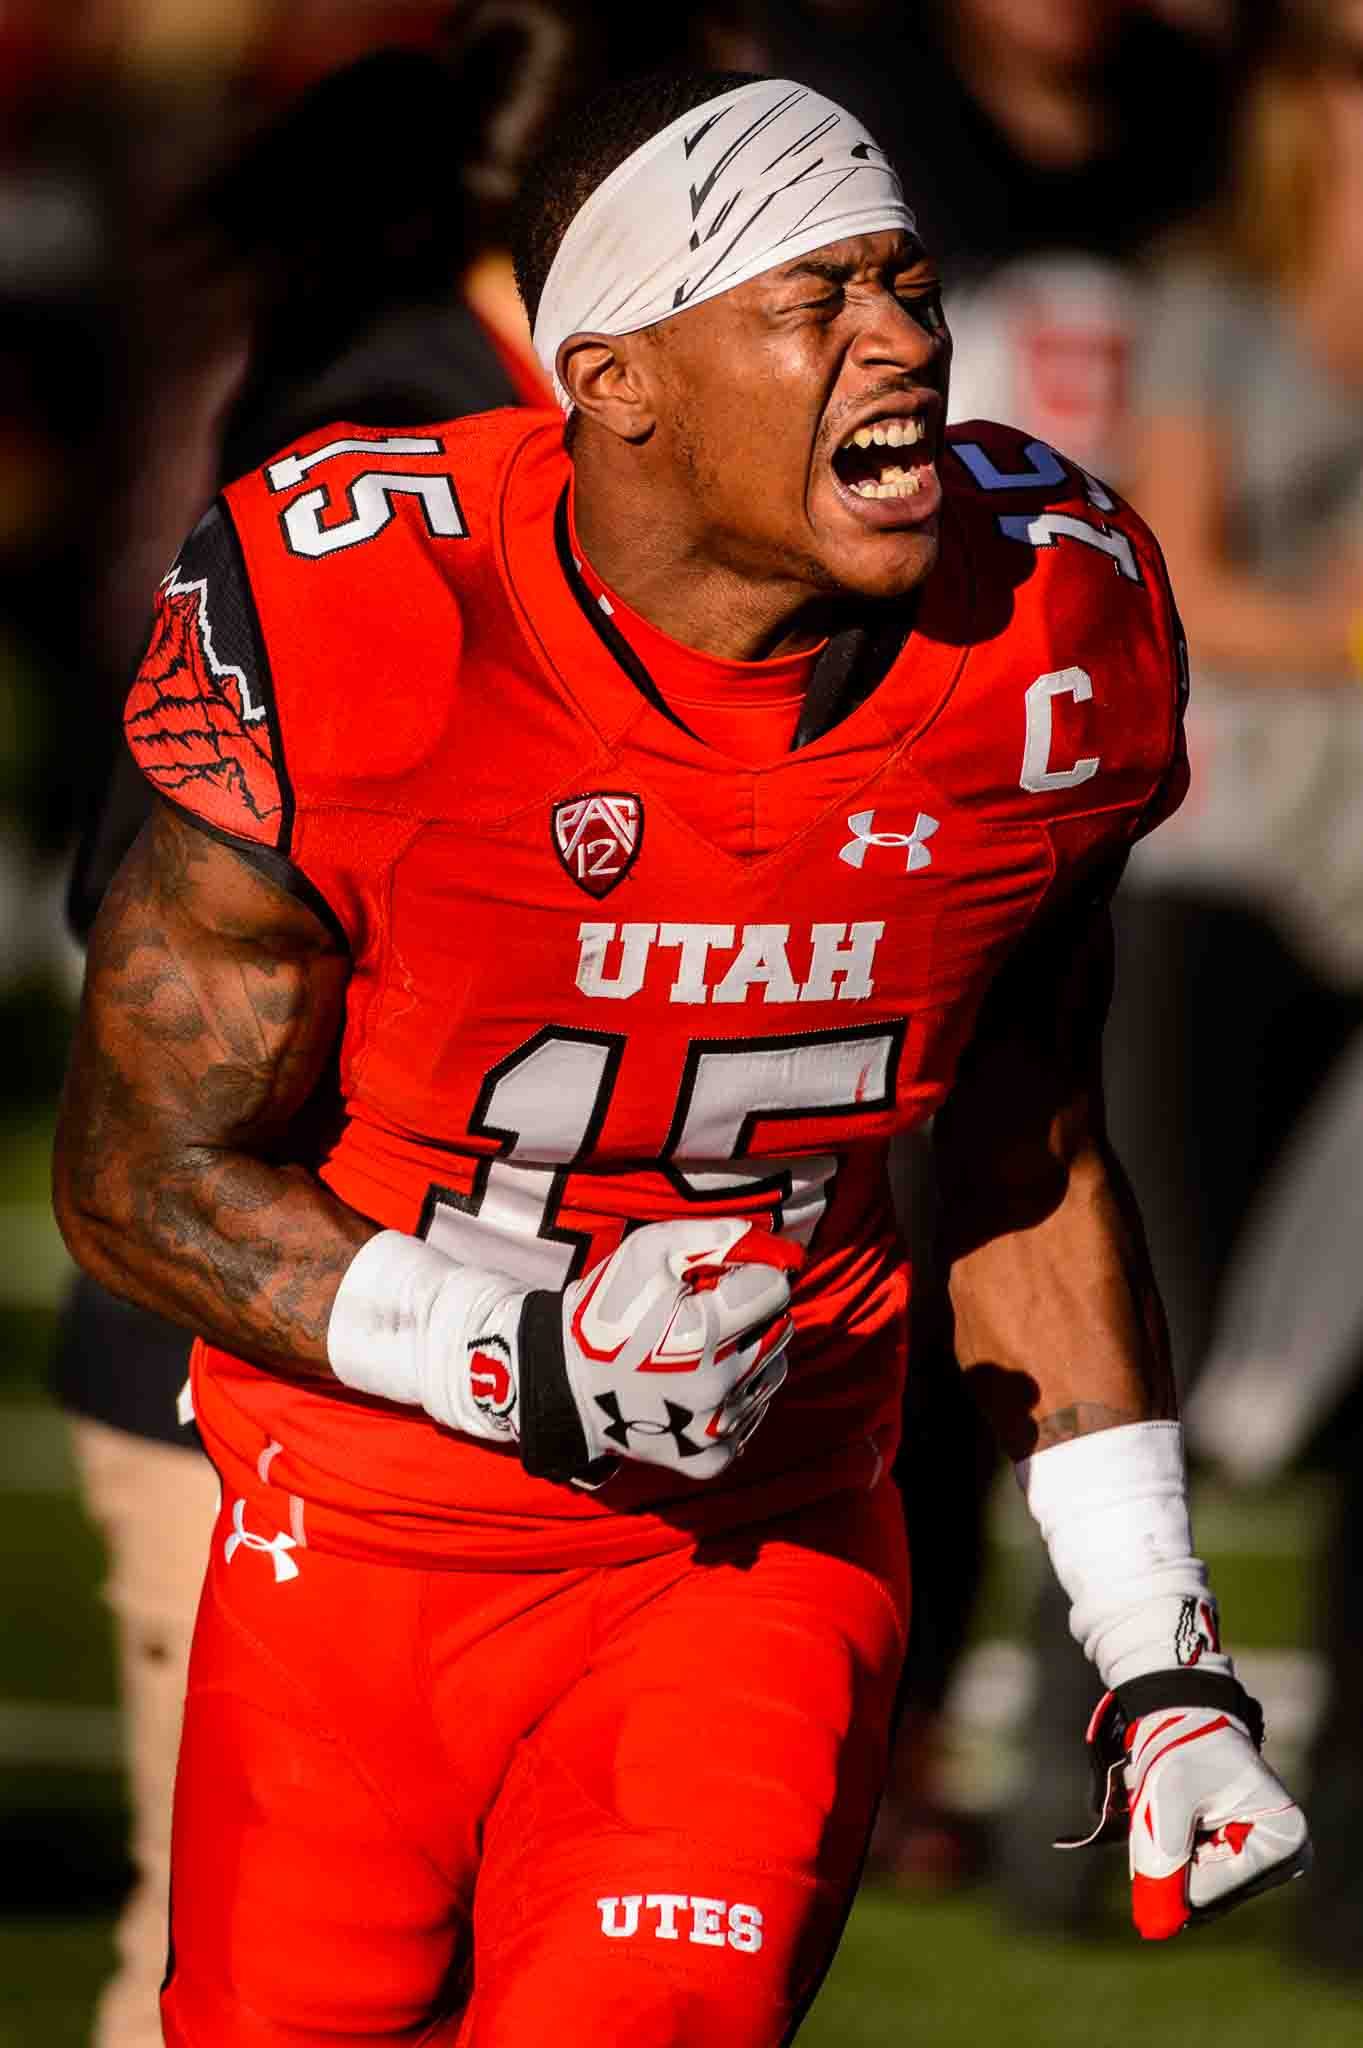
(402, 1322)
(1113, 1509)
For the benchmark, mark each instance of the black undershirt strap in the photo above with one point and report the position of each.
(610, 633)
(851, 665)
(846, 672)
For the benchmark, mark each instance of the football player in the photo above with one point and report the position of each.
(652, 818)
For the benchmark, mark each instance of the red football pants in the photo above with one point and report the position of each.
(501, 1810)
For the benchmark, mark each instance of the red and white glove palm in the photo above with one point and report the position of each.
(1210, 1825)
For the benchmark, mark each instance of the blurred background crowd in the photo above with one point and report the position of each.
(223, 222)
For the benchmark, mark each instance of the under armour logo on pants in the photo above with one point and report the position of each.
(277, 1546)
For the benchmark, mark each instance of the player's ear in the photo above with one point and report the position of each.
(605, 378)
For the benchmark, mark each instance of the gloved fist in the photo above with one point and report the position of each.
(666, 1352)
(1210, 1825)
(1206, 1822)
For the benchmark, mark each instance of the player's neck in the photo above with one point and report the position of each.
(652, 559)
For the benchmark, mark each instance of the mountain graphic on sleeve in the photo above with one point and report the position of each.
(197, 728)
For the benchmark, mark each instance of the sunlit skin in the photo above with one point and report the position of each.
(705, 488)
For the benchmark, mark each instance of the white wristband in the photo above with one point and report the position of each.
(1113, 1508)
(404, 1322)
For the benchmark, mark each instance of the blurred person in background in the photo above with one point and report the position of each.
(1243, 937)
(1025, 126)
(56, 395)
(1240, 942)
(1248, 445)
(308, 335)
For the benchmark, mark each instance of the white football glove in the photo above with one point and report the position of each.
(667, 1352)
(1207, 1823)
(1210, 1824)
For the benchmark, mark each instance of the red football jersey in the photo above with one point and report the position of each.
(603, 973)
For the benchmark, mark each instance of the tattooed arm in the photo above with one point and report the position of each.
(212, 1000)
(1059, 1328)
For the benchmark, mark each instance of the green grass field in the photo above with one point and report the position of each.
(940, 1975)
(950, 1975)
(911, 1973)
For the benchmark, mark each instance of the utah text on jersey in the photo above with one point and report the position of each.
(450, 757)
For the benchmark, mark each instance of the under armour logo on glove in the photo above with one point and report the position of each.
(668, 1351)
(278, 1547)
(620, 1426)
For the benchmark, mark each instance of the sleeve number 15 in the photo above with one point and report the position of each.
(369, 495)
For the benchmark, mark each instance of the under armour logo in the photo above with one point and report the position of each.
(860, 823)
(675, 1425)
(277, 1546)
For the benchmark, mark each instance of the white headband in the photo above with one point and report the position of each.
(738, 185)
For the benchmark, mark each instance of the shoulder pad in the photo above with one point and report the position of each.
(200, 717)
(1086, 543)
(1078, 674)
(367, 550)
(999, 469)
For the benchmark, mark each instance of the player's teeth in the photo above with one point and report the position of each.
(894, 483)
(886, 434)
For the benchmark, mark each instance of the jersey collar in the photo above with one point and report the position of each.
(608, 682)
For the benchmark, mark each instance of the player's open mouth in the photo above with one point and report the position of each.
(885, 470)
(873, 462)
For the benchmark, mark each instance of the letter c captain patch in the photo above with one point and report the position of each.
(597, 838)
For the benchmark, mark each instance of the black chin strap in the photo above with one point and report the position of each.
(851, 665)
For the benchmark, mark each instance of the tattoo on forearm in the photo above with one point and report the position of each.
(212, 1005)
(1082, 1418)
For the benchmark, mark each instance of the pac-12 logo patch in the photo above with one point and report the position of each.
(597, 838)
